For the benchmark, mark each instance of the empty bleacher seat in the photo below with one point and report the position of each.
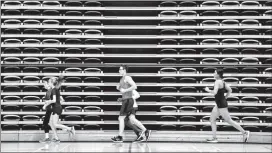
(168, 127)
(31, 108)
(91, 127)
(51, 60)
(12, 31)
(187, 71)
(230, 32)
(73, 4)
(187, 119)
(31, 60)
(249, 60)
(168, 23)
(168, 13)
(230, 22)
(168, 70)
(250, 32)
(210, 42)
(12, 69)
(188, 61)
(208, 99)
(32, 31)
(73, 22)
(250, 90)
(51, 22)
(92, 89)
(187, 51)
(92, 4)
(227, 128)
(31, 79)
(72, 118)
(210, 23)
(92, 109)
(72, 89)
(168, 32)
(250, 119)
(31, 98)
(11, 89)
(188, 13)
(50, 70)
(11, 118)
(168, 80)
(188, 32)
(187, 128)
(210, 13)
(210, 61)
(12, 108)
(250, 3)
(93, 13)
(73, 79)
(92, 99)
(31, 70)
(210, 32)
(210, 4)
(210, 51)
(188, 109)
(168, 89)
(12, 79)
(188, 22)
(51, 32)
(168, 109)
(230, 51)
(233, 109)
(188, 42)
(250, 81)
(230, 42)
(73, 109)
(73, 60)
(73, 99)
(11, 12)
(250, 22)
(93, 60)
(187, 80)
(93, 41)
(187, 4)
(168, 118)
(31, 118)
(92, 118)
(93, 80)
(12, 60)
(73, 13)
(73, 41)
(73, 70)
(230, 61)
(250, 51)
(168, 42)
(93, 23)
(249, 13)
(251, 110)
(230, 3)
(208, 80)
(188, 89)
(12, 22)
(168, 99)
(30, 127)
(186, 99)
(31, 41)
(31, 12)
(50, 13)
(93, 70)
(51, 3)
(168, 4)
(50, 51)
(250, 100)
(11, 3)
(11, 127)
(168, 61)
(230, 13)
(12, 41)
(230, 70)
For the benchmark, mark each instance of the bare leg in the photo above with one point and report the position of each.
(57, 125)
(214, 116)
(225, 114)
(53, 127)
(121, 125)
(136, 122)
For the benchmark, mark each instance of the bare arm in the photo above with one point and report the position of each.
(215, 90)
(229, 90)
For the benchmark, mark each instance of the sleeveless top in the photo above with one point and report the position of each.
(220, 96)
(57, 93)
(125, 85)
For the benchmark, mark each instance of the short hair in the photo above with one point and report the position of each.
(125, 67)
(220, 72)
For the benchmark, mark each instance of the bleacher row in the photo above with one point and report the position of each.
(172, 48)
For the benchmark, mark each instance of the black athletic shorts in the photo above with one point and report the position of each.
(127, 107)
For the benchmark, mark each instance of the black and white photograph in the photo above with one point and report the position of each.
(136, 76)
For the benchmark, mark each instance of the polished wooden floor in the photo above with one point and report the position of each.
(134, 147)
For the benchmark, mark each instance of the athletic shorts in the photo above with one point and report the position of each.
(127, 107)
